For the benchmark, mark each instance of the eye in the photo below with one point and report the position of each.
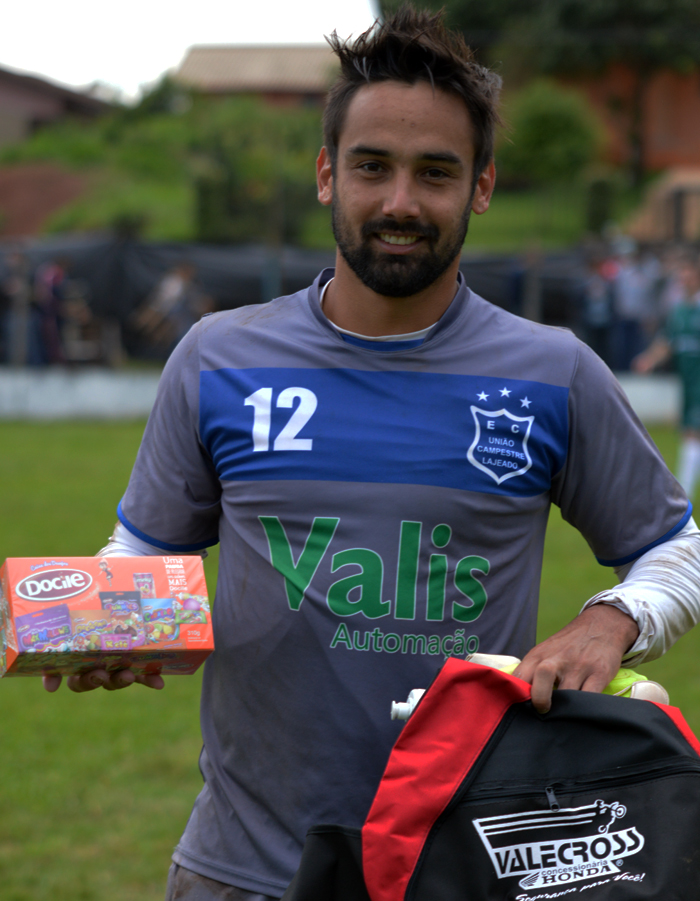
(435, 173)
(371, 167)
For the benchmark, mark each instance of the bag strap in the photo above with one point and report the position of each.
(430, 760)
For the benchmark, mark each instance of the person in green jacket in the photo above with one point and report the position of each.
(680, 341)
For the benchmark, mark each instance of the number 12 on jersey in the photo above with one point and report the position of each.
(261, 402)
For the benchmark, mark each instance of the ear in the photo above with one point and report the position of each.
(484, 189)
(324, 177)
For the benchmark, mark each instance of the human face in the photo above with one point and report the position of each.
(402, 188)
(689, 277)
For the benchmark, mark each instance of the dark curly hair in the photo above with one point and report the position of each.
(412, 46)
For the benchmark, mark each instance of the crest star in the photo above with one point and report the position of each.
(524, 402)
(483, 396)
(505, 392)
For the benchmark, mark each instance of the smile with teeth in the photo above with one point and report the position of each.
(399, 239)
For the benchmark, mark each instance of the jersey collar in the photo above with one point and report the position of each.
(445, 321)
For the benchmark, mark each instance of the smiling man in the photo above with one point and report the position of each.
(377, 455)
(402, 180)
(401, 186)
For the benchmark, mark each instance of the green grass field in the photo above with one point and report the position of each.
(95, 789)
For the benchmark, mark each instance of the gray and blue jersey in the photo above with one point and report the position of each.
(379, 506)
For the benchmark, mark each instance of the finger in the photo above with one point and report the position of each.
(573, 680)
(590, 677)
(596, 682)
(87, 681)
(151, 680)
(51, 683)
(524, 673)
(527, 667)
(122, 678)
(543, 682)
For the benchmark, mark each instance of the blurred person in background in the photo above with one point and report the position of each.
(15, 294)
(598, 301)
(654, 277)
(671, 289)
(633, 307)
(680, 341)
(172, 308)
(49, 286)
(5, 306)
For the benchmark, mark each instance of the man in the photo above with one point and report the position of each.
(680, 341)
(378, 454)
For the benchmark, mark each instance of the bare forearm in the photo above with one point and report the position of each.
(585, 655)
(657, 353)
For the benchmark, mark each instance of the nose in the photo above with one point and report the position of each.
(401, 202)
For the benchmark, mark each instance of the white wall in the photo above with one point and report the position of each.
(75, 394)
(106, 394)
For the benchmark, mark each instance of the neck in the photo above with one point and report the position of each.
(351, 305)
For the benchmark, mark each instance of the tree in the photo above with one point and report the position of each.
(578, 36)
(483, 24)
(183, 167)
(254, 171)
(571, 37)
(554, 135)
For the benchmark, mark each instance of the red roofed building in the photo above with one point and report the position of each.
(28, 102)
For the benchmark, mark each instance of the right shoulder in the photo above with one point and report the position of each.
(275, 316)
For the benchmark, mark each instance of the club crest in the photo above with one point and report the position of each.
(499, 447)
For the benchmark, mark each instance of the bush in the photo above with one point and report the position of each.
(255, 174)
(554, 135)
(187, 167)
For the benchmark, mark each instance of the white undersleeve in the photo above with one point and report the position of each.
(660, 591)
(123, 543)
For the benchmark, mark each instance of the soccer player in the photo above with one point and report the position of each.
(681, 342)
(377, 455)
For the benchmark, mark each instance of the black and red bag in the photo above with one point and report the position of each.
(484, 799)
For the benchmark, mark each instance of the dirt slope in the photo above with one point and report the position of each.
(31, 192)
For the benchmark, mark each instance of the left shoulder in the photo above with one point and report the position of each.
(506, 324)
(547, 353)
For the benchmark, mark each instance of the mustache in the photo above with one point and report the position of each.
(431, 232)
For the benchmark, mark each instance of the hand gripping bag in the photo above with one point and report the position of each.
(484, 799)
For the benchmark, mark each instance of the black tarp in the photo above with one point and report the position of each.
(119, 274)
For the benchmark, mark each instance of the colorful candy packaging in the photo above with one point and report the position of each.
(191, 608)
(127, 629)
(45, 630)
(159, 619)
(144, 583)
(88, 626)
(72, 614)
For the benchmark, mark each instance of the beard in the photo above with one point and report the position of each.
(397, 275)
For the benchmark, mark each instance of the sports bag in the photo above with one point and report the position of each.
(485, 799)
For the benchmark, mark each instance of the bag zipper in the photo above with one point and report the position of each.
(630, 777)
(552, 798)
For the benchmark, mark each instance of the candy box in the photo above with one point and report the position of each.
(72, 614)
